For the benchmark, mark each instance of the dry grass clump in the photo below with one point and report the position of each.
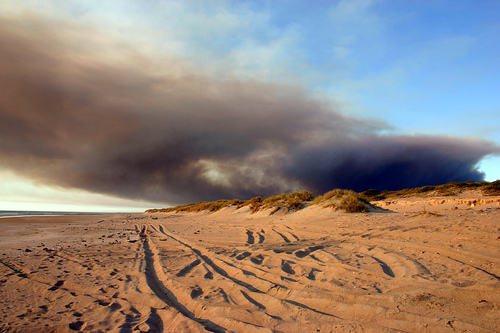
(333, 194)
(254, 203)
(425, 213)
(346, 200)
(288, 201)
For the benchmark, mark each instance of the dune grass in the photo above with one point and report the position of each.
(211, 206)
(337, 199)
(492, 188)
(346, 200)
(288, 202)
(449, 189)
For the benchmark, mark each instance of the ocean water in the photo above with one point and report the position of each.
(23, 213)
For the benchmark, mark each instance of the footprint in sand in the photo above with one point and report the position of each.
(115, 307)
(77, 325)
(286, 267)
(251, 238)
(312, 275)
(101, 302)
(258, 259)
(57, 285)
(262, 238)
(196, 292)
(385, 268)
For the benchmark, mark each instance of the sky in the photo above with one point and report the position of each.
(128, 105)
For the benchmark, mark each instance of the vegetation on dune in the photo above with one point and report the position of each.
(337, 199)
(492, 188)
(286, 201)
(211, 206)
(254, 203)
(449, 189)
(346, 200)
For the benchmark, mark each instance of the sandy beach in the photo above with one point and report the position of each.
(424, 265)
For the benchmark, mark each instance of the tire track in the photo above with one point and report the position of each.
(248, 286)
(163, 293)
(282, 236)
(475, 267)
(213, 265)
(252, 274)
(183, 272)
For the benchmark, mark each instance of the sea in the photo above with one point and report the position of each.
(25, 213)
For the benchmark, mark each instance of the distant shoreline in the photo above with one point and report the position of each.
(25, 213)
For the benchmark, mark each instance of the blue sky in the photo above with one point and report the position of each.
(419, 67)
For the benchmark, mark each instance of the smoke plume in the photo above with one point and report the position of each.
(107, 119)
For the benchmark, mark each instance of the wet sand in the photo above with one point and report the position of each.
(427, 265)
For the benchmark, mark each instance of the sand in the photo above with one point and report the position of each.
(427, 265)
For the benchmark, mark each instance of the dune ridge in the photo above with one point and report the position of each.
(346, 200)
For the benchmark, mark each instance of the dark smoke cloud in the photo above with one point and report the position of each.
(110, 120)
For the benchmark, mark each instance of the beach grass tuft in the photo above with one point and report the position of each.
(346, 200)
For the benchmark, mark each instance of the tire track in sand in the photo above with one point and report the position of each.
(251, 288)
(153, 266)
(214, 266)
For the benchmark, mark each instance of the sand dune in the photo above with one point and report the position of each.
(425, 266)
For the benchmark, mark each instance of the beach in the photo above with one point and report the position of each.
(419, 265)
